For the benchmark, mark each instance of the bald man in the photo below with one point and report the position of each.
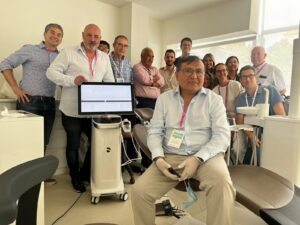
(72, 67)
(266, 73)
(147, 80)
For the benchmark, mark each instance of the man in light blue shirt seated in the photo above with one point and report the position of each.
(253, 95)
(188, 131)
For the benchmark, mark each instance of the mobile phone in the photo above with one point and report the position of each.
(173, 171)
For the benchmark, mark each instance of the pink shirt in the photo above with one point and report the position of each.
(143, 80)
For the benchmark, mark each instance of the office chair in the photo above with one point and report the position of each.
(267, 194)
(20, 188)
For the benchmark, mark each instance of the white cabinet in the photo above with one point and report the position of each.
(21, 140)
(281, 147)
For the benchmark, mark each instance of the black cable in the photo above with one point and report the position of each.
(178, 213)
(55, 221)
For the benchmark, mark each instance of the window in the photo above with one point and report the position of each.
(240, 49)
(279, 48)
(280, 23)
(281, 13)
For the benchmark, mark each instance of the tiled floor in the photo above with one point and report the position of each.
(59, 197)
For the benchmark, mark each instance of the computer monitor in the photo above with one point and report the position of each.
(105, 98)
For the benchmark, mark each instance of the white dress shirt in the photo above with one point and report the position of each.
(205, 125)
(68, 65)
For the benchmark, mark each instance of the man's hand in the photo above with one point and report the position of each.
(21, 95)
(251, 136)
(189, 166)
(163, 166)
(155, 78)
(79, 80)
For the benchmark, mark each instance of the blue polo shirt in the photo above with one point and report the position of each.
(274, 98)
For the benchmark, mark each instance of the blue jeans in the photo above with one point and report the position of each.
(248, 156)
(74, 127)
(42, 106)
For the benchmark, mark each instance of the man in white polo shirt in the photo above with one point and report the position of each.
(266, 73)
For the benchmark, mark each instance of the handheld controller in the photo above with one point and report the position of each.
(173, 171)
(126, 126)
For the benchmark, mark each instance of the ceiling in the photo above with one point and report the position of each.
(164, 9)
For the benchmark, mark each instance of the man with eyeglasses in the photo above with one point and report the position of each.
(104, 46)
(255, 94)
(188, 132)
(122, 71)
(147, 80)
(121, 66)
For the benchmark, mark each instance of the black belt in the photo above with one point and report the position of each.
(42, 98)
(147, 99)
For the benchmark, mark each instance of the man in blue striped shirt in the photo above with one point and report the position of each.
(35, 93)
(121, 66)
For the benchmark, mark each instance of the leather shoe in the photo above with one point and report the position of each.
(78, 185)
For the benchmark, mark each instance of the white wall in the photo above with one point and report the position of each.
(223, 18)
(23, 22)
(155, 41)
(142, 31)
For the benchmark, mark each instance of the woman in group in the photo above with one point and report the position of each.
(209, 62)
(232, 64)
(228, 89)
(209, 81)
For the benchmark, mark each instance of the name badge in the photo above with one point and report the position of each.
(176, 138)
(120, 80)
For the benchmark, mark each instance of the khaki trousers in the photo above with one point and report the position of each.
(214, 180)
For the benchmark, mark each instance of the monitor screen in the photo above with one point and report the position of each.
(98, 98)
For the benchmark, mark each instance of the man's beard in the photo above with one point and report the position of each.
(169, 63)
(92, 46)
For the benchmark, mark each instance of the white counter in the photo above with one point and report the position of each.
(57, 144)
(21, 140)
(281, 147)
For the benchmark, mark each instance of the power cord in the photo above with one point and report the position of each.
(165, 208)
(178, 213)
(126, 156)
(55, 221)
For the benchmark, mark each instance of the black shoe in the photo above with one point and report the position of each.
(51, 181)
(78, 185)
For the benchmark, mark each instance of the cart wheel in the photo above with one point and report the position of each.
(95, 200)
(124, 196)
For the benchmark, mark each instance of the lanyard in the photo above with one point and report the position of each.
(118, 68)
(91, 64)
(226, 94)
(261, 68)
(254, 96)
(182, 118)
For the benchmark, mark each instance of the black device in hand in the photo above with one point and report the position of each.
(173, 171)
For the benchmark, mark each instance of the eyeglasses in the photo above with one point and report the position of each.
(121, 45)
(248, 76)
(189, 72)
